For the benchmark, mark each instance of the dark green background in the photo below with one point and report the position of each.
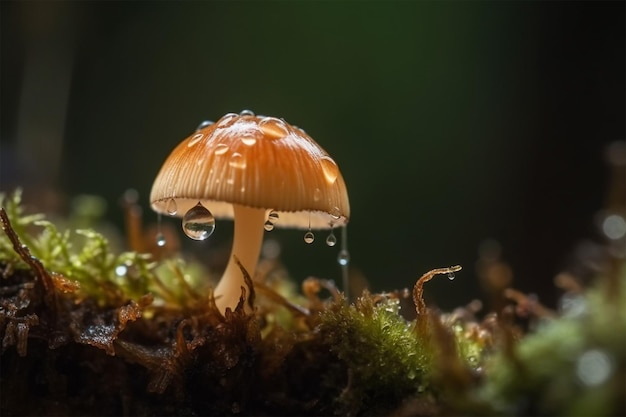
(452, 122)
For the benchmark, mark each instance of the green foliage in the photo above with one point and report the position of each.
(85, 257)
(386, 361)
(572, 365)
(21, 222)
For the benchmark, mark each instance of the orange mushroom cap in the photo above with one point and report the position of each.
(253, 161)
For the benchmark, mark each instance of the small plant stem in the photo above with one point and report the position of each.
(418, 289)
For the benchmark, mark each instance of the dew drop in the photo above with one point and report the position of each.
(614, 227)
(171, 207)
(220, 149)
(195, 139)
(451, 276)
(121, 270)
(160, 240)
(237, 160)
(331, 240)
(343, 258)
(335, 213)
(309, 237)
(248, 140)
(594, 367)
(269, 226)
(317, 194)
(273, 128)
(246, 112)
(331, 171)
(204, 124)
(227, 120)
(198, 223)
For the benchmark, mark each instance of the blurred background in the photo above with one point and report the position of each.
(455, 124)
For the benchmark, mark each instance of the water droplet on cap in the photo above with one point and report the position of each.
(204, 124)
(317, 194)
(171, 208)
(246, 112)
(309, 237)
(273, 128)
(269, 226)
(331, 171)
(335, 213)
(248, 140)
(237, 160)
(195, 139)
(198, 222)
(227, 120)
(221, 149)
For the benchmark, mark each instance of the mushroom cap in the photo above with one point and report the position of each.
(254, 161)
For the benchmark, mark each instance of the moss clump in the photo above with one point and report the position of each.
(86, 331)
(573, 365)
(384, 358)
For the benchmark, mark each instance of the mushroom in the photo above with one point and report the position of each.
(261, 172)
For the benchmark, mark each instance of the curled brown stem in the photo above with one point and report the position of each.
(418, 290)
(34, 263)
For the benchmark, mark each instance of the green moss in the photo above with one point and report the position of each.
(296, 355)
(85, 259)
(385, 359)
(571, 365)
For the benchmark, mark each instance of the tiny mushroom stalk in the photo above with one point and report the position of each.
(259, 171)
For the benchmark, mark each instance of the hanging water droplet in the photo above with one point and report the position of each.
(204, 124)
(195, 139)
(269, 226)
(331, 171)
(246, 112)
(198, 223)
(273, 128)
(272, 216)
(343, 258)
(331, 240)
(171, 208)
(160, 240)
(309, 237)
(450, 276)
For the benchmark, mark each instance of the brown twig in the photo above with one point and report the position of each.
(418, 289)
(248, 281)
(35, 264)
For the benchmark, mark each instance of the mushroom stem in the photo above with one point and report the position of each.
(247, 247)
